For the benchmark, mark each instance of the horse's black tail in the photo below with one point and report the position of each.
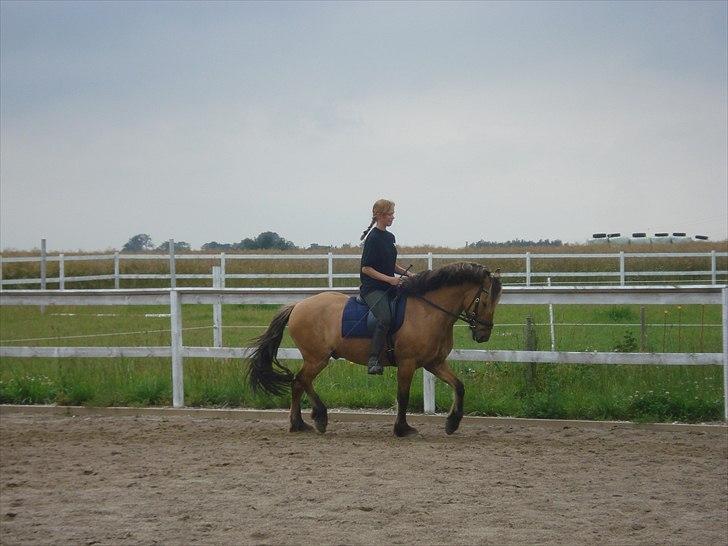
(263, 360)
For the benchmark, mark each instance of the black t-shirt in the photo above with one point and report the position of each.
(381, 254)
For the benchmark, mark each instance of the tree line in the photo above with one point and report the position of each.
(270, 240)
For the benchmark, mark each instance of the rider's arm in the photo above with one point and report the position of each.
(374, 274)
(402, 271)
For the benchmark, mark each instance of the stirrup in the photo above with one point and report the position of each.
(374, 367)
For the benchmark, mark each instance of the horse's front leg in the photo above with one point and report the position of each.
(405, 371)
(443, 371)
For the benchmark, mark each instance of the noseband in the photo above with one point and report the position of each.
(471, 317)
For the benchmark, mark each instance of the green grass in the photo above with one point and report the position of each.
(649, 393)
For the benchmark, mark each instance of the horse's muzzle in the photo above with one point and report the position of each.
(481, 337)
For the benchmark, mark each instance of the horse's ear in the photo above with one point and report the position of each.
(496, 274)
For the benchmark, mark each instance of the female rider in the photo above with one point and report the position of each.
(378, 266)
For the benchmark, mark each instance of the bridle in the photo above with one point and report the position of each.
(468, 315)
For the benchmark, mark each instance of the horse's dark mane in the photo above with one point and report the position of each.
(449, 275)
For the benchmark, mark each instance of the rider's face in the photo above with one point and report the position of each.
(387, 217)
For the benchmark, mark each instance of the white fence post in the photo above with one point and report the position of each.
(43, 264)
(116, 271)
(217, 309)
(551, 320)
(61, 273)
(528, 269)
(713, 268)
(172, 274)
(725, 354)
(178, 385)
(43, 270)
(428, 379)
(622, 276)
(331, 269)
(222, 270)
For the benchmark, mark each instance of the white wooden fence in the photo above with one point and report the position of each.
(177, 351)
(621, 273)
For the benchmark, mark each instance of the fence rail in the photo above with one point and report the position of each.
(621, 274)
(175, 298)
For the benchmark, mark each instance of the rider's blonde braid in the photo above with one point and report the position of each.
(367, 230)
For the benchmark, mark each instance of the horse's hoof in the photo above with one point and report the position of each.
(300, 427)
(321, 427)
(404, 430)
(320, 419)
(451, 425)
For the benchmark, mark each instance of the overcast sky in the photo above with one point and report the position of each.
(217, 121)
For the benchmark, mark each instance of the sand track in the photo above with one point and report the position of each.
(182, 480)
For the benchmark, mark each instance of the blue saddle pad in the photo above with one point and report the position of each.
(358, 321)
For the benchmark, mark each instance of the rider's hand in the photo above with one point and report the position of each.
(394, 281)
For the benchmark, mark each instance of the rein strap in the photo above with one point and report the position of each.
(471, 318)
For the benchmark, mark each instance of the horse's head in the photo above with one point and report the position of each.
(481, 310)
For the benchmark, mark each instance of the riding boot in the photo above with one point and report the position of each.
(380, 336)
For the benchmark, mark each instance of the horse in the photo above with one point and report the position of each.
(436, 300)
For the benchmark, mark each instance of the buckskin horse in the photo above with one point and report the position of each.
(436, 300)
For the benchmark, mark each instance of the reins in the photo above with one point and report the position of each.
(471, 317)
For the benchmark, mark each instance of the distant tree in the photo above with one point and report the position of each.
(138, 243)
(214, 245)
(515, 242)
(179, 246)
(316, 246)
(270, 239)
(265, 241)
(246, 244)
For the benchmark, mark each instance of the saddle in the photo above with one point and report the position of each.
(359, 321)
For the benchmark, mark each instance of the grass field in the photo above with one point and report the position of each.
(652, 393)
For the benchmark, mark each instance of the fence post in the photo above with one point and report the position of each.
(61, 273)
(428, 379)
(551, 320)
(528, 269)
(222, 270)
(172, 274)
(530, 343)
(178, 386)
(713, 268)
(622, 276)
(217, 309)
(643, 330)
(43, 264)
(725, 354)
(116, 271)
(331, 269)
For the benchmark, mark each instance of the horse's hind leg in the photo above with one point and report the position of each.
(297, 423)
(304, 382)
(443, 371)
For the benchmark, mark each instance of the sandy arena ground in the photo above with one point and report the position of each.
(179, 479)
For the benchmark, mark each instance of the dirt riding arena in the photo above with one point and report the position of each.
(182, 479)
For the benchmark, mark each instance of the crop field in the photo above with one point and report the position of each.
(650, 393)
